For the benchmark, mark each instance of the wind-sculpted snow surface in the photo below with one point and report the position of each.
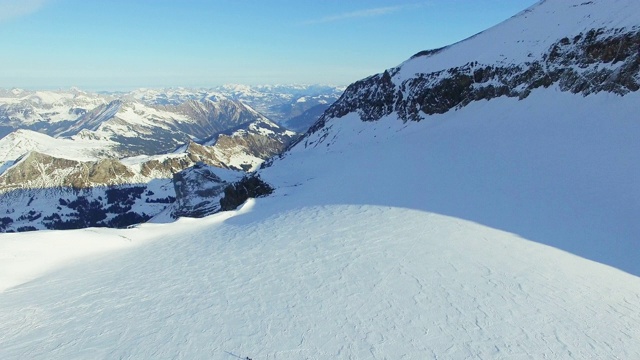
(280, 281)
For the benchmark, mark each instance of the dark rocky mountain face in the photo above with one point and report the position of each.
(580, 64)
(197, 192)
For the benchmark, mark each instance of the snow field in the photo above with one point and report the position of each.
(337, 281)
(23, 258)
(555, 168)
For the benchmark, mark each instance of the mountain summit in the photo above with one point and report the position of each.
(574, 45)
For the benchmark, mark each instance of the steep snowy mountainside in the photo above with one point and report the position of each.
(556, 167)
(528, 36)
(582, 47)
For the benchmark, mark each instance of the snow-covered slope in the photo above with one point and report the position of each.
(557, 168)
(542, 146)
(527, 36)
(283, 280)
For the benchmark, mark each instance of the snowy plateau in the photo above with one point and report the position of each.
(479, 201)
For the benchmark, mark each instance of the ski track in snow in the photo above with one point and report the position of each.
(349, 282)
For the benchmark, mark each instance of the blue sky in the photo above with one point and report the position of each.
(123, 44)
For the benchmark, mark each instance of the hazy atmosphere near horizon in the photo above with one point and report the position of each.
(120, 45)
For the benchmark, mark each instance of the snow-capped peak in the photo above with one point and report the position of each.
(528, 35)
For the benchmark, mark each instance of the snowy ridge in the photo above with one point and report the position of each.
(554, 43)
(21, 142)
(529, 35)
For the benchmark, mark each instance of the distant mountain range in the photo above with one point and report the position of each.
(70, 140)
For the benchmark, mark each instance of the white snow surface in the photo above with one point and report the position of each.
(556, 168)
(529, 34)
(350, 259)
(23, 141)
(22, 260)
(280, 281)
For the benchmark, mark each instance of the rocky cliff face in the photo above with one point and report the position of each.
(588, 62)
(197, 192)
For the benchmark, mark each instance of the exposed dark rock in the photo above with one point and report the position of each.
(575, 65)
(249, 187)
(197, 191)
